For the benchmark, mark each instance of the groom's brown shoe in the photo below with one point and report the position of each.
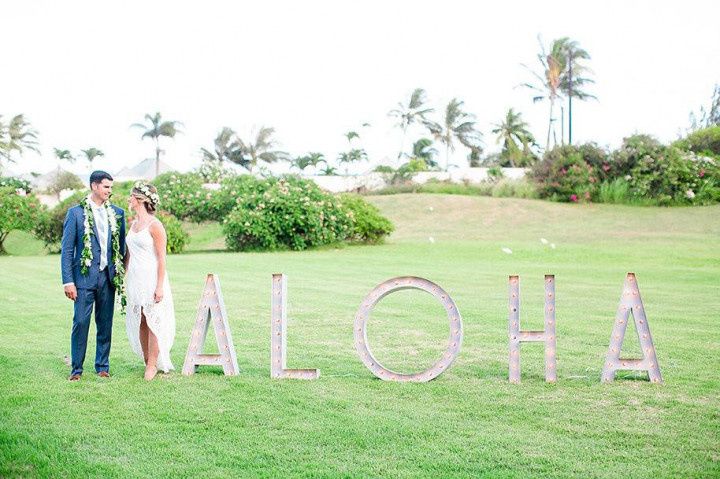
(74, 377)
(104, 374)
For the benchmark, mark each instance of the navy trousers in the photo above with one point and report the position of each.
(102, 298)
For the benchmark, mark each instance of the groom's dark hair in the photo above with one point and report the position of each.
(98, 175)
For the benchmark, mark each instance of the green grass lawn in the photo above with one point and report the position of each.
(469, 422)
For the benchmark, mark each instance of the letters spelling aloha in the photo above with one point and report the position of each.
(212, 309)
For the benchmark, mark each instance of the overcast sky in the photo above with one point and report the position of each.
(83, 71)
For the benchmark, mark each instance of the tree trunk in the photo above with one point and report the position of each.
(447, 156)
(157, 158)
(2, 243)
(402, 145)
(570, 103)
(547, 143)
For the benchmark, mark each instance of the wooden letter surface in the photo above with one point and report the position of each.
(278, 334)
(211, 309)
(630, 302)
(547, 336)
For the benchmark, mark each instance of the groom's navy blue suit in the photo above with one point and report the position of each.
(93, 289)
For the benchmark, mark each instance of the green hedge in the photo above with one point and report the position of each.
(368, 225)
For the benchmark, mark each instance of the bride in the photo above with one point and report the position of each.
(150, 320)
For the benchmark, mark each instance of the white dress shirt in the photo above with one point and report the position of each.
(102, 226)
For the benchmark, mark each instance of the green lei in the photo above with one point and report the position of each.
(86, 256)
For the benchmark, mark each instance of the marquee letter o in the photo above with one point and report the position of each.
(398, 284)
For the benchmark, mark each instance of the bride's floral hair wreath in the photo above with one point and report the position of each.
(147, 194)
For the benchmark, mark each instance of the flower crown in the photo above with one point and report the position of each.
(144, 188)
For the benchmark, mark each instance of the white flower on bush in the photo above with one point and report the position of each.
(690, 194)
(628, 177)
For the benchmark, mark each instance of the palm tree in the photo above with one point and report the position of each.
(226, 148)
(561, 74)
(262, 148)
(513, 133)
(91, 154)
(17, 135)
(154, 130)
(424, 150)
(63, 155)
(413, 112)
(548, 86)
(572, 82)
(351, 156)
(328, 170)
(456, 125)
(311, 159)
(475, 157)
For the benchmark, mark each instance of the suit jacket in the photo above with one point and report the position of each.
(72, 246)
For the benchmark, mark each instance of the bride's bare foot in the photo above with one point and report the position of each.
(150, 373)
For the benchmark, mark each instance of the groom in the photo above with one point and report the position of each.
(88, 275)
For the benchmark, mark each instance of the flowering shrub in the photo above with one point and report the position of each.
(232, 191)
(570, 173)
(18, 211)
(642, 170)
(705, 142)
(368, 225)
(634, 150)
(49, 227)
(183, 195)
(177, 237)
(214, 171)
(15, 183)
(286, 213)
(676, 177)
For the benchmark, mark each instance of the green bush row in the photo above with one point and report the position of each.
(641, 171)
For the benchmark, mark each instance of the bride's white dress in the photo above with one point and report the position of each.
(140, 282)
